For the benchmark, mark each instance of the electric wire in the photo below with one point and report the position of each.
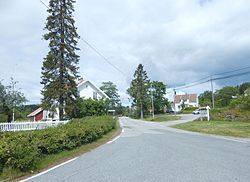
(96, 51)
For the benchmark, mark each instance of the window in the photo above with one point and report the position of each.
(94, 95)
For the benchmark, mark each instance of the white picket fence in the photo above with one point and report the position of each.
(24, 126)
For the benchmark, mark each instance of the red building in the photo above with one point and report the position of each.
(36, 115)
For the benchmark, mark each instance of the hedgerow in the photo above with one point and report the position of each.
(24, 150)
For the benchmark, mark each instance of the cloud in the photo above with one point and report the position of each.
(177, 41)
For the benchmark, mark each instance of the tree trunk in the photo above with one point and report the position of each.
(61, 100)
(141, 112)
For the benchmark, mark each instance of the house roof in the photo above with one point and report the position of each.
(83, 82)
(40, 109)
(190, 97)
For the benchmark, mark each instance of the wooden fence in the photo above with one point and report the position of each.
(24, 126)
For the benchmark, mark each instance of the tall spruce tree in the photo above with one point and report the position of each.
(139, 90)
(60, 70)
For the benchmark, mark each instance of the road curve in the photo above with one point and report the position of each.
(153, 152)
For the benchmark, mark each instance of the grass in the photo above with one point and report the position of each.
(55, 159)
(225, 128)
(162, 118)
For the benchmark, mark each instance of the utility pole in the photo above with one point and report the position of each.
(174, 102)
(152, 99)
(212, 89)
(13, 101)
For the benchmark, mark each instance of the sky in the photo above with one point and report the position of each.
(177, 41)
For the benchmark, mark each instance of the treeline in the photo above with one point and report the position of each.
(233, 96)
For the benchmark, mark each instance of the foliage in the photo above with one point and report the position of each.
(227, 113)
(223, 96)
(10, 98)
(241, 102)
(22, 112)
(159, 90)
(205, 99)
(188, 110)
(60, 71)
(243, 87)
(24, 150)
(139, 90)
(111, 90)
(90, 107)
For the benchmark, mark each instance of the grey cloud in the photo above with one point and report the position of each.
(177, 41)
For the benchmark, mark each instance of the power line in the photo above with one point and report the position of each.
(102, 56)
(96, 51)
(234, 75)
(232, 71)
(44, 4)
(218, 78)
(194, 83)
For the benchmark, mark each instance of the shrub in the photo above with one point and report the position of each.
(242, 102)
(24, 150)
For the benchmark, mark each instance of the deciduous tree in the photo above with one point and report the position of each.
(111, 90)
(159, 91)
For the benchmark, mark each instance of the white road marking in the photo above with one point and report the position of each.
(208, 135)
(39, 174)
(230, 139)
(111, 141)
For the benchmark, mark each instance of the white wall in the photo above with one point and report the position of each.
(187, 103)
(86, 91)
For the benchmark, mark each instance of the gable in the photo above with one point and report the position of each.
(190, 97)
(86, 90)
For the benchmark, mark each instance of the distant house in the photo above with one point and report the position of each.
(36, 115)
(86, 90)
(41, 114)
(188, 100)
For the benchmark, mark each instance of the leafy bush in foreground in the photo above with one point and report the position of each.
(23, 150)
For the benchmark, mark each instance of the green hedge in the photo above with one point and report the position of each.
(24, 150)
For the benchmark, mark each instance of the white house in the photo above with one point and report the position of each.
(190, 100)
(86, 90)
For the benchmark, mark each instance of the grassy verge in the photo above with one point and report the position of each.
(163, 118)
(49, 161)
(225, 128)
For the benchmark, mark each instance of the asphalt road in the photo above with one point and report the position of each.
(148, 152)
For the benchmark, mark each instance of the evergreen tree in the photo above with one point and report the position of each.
(60, 71)
(139, 90)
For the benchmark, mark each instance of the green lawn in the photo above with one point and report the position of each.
(163, 118)
(225, 128)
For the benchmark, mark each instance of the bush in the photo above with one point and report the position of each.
(89, 107)
(242, 102)
(23, 150)
(188, 110)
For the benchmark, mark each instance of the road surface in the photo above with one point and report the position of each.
(153, 152)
